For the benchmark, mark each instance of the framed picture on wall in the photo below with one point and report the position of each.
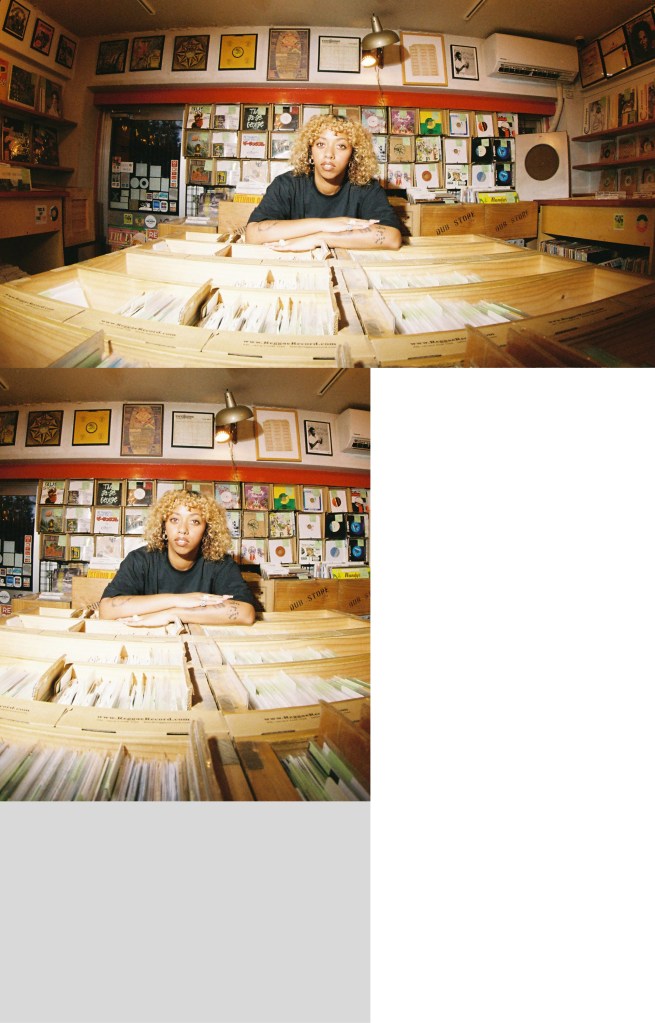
(44, 429)
(66, 51)
(142, 430)
(318, 439)
(42, 37)
(8, 425)
(190, 53)
(192, 430)
(91, 426)
(339, 53)
(591, 64)
(288, 55)
(276, 435)
(464, 61)
(16, 19)
(112, 57)
(147, 52)
(238, 53)
(641, 37)
(423, 58)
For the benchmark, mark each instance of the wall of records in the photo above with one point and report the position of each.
(231, 147)
(88, 519)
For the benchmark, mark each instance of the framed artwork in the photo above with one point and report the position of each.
(228, 495)
(312, 499)
(375, 119)
(464, 61)
(614, 49)
(52, 100)
(423, 57)
(23, 86)
(91, 426)
(80, 492)
(142, 430)
(112, 57)
(8, 426)
(134, 521)
(591, 64)
(42, 36)
(254, 524)
(16, 19)
(52, 491)
(192, 430)
(276, 435)
(237, 53)
(288, 55)
(340, 53)
(44, 429)
(641, 37)
(147, 52)
(139, 493)
(318, 438)
(256, 496)
(109, 493)
(66, 51)
(402, 120)
(190, 53)
(430, 122)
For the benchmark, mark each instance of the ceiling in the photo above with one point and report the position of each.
(286, 388)
(558, 20)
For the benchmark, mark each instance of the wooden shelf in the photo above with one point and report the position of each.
(34, 115)
(612, 133)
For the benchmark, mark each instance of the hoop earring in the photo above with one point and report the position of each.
(310, 161)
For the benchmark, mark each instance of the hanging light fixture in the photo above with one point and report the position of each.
(373, 44)
(225, 421)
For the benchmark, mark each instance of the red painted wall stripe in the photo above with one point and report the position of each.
(445, 99)
(180, 471)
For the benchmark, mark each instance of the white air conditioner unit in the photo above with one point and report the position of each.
(353, 430)
(508, 56)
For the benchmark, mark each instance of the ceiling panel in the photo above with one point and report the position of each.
(559, 20)
(320, 390)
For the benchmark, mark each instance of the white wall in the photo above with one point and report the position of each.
(244, 450)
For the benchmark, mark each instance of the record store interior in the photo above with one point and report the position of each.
(231, 240)
(521, 176)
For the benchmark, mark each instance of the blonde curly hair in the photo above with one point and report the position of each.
(216, 542)
(363, 166)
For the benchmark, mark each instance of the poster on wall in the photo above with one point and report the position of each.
(288, 55)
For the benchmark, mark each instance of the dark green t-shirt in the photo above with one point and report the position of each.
(143, 572)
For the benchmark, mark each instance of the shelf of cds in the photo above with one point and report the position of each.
(96, 520)
(97, 711)
(231, 146)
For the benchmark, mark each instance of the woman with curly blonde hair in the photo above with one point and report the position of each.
(329, 196)
(184, 573)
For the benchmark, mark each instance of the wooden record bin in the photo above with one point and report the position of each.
(355, 292)
(213, 665)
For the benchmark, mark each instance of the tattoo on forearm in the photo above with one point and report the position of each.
(264, 225)
(119, 601)
(379, 236)
(232, 612)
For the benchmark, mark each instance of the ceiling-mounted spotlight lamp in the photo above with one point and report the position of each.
(225, 421)
(373, 44)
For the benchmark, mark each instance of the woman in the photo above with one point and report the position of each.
(184, 573)
(329, 196)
